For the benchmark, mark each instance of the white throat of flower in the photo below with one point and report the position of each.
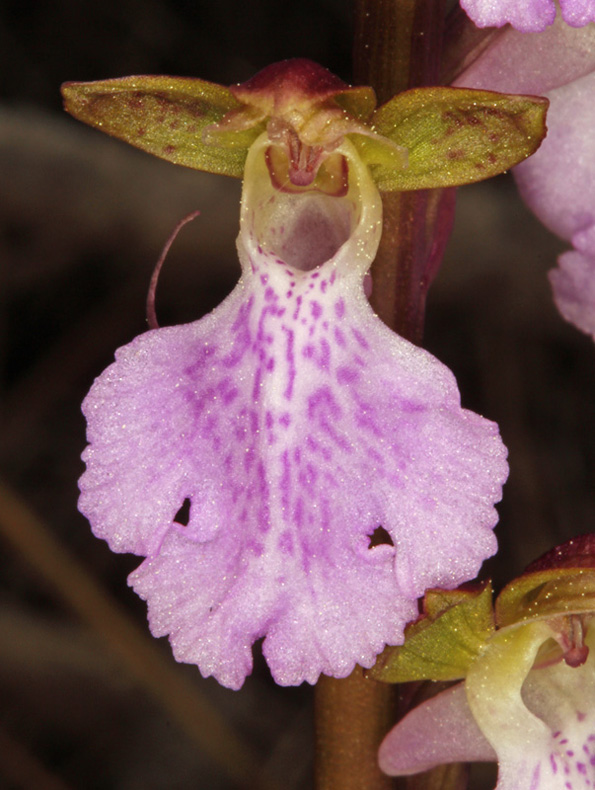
(334, 225)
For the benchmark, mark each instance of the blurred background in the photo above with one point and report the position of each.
(87, 698)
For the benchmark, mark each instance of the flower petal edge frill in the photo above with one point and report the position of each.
(294, 424)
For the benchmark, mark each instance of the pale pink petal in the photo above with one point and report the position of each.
(528, 16)
(573, 283)
(578, 12)
(558, 181)
(441, 730)
(533, 64)
(295, 423)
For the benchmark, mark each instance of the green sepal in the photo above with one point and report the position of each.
(454, 136)
(545, 594)
(444, 641)
(359, 102)
(164, 116)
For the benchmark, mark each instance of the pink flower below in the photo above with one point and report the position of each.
(294, 424)
(538, 723)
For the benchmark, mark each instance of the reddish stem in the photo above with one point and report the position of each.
(398, 45)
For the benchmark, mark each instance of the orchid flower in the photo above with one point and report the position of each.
(328, 472)
(528, 16)
(528, 698)
(559, 182)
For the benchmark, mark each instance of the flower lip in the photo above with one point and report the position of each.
(305, 230)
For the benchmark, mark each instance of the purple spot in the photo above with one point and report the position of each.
(285, 419)
(347, 375)
(289, 294)
(333, 276)
(316, 310)
(360, 338)
(298, 304)
(340, 308)
(264, 278)
(286, 543)
(315, 275)
(298, 513)
(308, 351)
(285, 481)
(570, 753)
(269, 294)
(325, 355)
(553, 764)
(242, 337)
(256, 548)
(271, 364)
(323, 285)
(581, 716)
(581, 768)
(248, 458)
(289, 356)
(268, 420)
(339, 337)
(307, 477)
(257, 385)
(535, 778)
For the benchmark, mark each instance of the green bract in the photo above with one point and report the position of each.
(443, 643)
(458, 627)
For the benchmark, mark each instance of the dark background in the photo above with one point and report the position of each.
(82, 221)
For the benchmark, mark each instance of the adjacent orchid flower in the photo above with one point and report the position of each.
(325, 470)
(528, 16)
(528, 698)
(559, 182)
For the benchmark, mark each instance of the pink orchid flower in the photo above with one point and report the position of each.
(528, 695)
(558, 182)
(538, 723)
(294, 427)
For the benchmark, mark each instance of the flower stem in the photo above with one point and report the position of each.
(397, 45)
(352, 717)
